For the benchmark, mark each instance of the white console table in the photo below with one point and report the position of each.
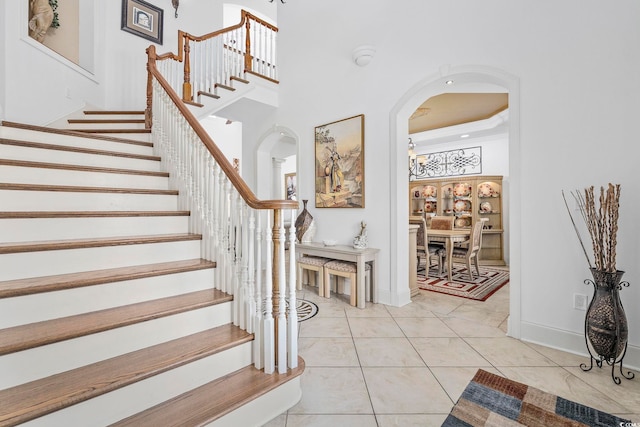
(348, 253)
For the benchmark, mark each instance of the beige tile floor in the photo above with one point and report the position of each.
(407, 366)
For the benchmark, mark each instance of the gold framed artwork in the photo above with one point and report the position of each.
(142, 19)
(290, 186)
(339, 174)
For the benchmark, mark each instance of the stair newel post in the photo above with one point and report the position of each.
(258, 347)
(269, 326)
(151, 61)
(247, 54)
(292, 349)
(187, 94)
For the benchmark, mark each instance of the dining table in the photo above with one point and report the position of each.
(449, 238)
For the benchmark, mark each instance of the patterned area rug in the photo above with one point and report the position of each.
(480, 288)
(491, 400)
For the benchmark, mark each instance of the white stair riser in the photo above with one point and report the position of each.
(121, 403)
(264, 408)
(13, 152)
(65, 355)
(50, 305)
(38, 229)
(105, 125)
(46, 263)
(73, 141)
(144, 137)
(35, 175)
(18, 200)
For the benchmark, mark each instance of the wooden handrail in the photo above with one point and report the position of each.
(242, 187)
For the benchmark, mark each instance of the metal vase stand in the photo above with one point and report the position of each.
(605, 326)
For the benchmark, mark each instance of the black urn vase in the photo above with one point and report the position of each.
(606, 327)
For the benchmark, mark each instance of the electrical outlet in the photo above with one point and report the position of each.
(580, 301)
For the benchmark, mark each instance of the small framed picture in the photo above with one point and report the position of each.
(290, 186)
(142, 19)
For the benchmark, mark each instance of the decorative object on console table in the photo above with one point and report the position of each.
(339, 148)
(361, 241)
(606, 328)
(305, 225)
(142, 19)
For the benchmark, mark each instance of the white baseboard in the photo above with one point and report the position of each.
(570, 341)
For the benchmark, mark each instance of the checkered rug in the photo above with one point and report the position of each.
(491, 400)
(480, 288)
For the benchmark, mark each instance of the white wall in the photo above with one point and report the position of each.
(579, 92)
(41, 86)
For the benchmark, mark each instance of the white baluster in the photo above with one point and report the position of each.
(250, 285)
(258, 346)
(268, 336)
(282, 300)
(292, 349)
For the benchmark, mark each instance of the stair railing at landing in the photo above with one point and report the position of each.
(237, 228)
(204, 63)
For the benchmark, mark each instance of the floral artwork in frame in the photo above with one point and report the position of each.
(290, 186)
(339, 171)
(142, 19)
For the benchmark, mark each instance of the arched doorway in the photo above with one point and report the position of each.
(399, 116)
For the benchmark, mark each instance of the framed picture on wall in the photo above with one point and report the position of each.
(142, 19)
(339, 171)
(290, 186)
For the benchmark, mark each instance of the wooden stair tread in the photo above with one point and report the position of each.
(34, 285)
(76, 134)
(43, 146)
(239, 79)
(107, 130)
(208, 94)
(206, 403)
(87, 214)
(107, 121)
(23, 337)
(64, 166)
(78, 189)
(52, 245)
(220, 85)
(43, 396)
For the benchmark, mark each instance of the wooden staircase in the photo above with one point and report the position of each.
(108, 314)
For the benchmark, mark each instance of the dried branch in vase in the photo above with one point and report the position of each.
(601, 222)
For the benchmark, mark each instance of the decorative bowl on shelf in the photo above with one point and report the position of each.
(430, 207)
(485, 190)
(429, 191)
(485, 207)
(462, 222)
(329, 242)
(462, 189)
(462, 205)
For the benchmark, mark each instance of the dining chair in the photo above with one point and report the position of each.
(424, 249)
(442, 222)
(470, 249)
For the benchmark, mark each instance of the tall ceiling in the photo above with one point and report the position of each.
(450, 109)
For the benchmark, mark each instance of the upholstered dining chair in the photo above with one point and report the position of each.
(442, 222)
(470, 249)
(423, 248)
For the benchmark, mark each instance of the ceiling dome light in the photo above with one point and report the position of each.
(449, 82)
(362, 55)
